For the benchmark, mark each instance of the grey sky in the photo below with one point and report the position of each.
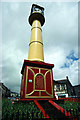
(60, 38)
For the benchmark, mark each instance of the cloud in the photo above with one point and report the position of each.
(70, 59)
(60, 37)
(63, 26)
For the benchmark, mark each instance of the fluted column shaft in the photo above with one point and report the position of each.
(36, 44)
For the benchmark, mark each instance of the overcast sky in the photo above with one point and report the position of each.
(60, 39)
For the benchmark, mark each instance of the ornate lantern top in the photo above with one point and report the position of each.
(36, 8)
(37, 13)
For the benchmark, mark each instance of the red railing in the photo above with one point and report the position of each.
(63, 111)
(60, 108)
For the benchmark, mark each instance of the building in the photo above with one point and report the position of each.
(77, 90)
(63, 88)
(14, 94)
(4, 91)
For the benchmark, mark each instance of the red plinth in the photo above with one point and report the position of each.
(37, 81)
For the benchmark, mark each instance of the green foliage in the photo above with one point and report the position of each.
(72, 107)
(18, 111)
(28, 110)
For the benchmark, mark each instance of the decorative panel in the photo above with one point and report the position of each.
(39, 82)
(36, 70)
(48, 83)
(43, 71)
(30, 81)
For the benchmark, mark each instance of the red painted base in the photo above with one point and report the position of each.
(37, 81)
(36, 99)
